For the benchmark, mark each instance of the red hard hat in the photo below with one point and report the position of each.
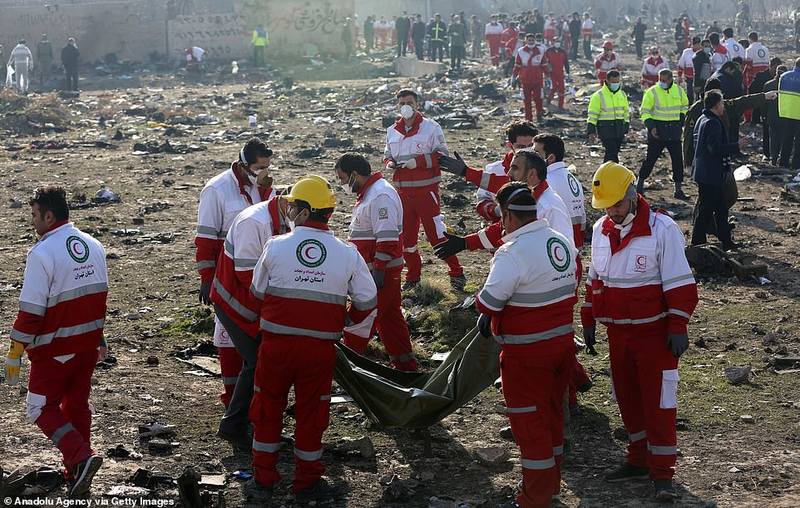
(608, 44)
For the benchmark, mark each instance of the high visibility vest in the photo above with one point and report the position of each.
(606, 105)
(789, 95)
(664, 105)
(261, 39)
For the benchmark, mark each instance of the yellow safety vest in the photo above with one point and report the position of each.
(664, 105)
(606, 105)
(789, 95)
(258, 40)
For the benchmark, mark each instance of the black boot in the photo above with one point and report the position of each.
(628, 472)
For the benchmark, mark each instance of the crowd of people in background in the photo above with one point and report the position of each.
(20, 67)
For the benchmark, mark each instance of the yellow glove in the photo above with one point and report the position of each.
(13, 362)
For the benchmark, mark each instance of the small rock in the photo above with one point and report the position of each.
(748, 419)
(363, 446)
(152, 360)
(14, 203)
(506, 433)
(737, 375)
(138, 221)
(126, 491)
(734, 469)
(491, 456)
(156, 446)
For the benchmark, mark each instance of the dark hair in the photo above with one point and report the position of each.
(517, 194)
(534, 161)
(613, 73)
(354, 163)
(51, 198)
(728, 32)
(744, 43)
(712, 84)
(711, 99)
(736, 60)
(254, 149)
(714, 38)
(552, 145)
(752, 36)
(797, 64)
(665, 72)
(321, 215)
(696, 40)
(517, 129)
(407, 92)
(781, 69)
(775, 61)
(705, 41)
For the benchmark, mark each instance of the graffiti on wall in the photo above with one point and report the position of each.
(221, 35)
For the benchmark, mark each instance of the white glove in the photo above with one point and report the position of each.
(410, 163)
(771, 95)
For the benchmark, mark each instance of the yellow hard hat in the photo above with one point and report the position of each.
(609, 184)
(314, 190)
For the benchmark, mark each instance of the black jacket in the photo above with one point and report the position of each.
(575, 29)
(418, 30)
(403, 26)
(638, 31)
(771, 107)
(702, 68)
(731, 86)
(712, 150)
(69, 56)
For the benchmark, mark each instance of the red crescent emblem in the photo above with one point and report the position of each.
(558, 257)
(307, 252)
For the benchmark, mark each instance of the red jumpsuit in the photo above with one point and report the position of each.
(375, 230)
(604, 63)
(641, 287)
(62, 310)
(494, 33)
(529, 294)
(528, 69)
(305, 279)
(508, 40)
(556, 63)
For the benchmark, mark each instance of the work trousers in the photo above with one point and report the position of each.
(774, 132)
(402, 44)
(258, 56)
(690, 90)
(532, 91)
(790, 145)
(477, 47)
(391, 326)
(230, 364)
(578, 377)
(307, 364)
(44, 68)
(457, 55)
(235, 419)
(644, 376)
(58, 402)
(733, 128)
(573, 55)
(639, 43)
(419, 49)
(557, 87)
(437, 50)
(612, 147)
(22, 72)
(535, 378)
(423, 207)
(494, 48)
(711, 206)
(587, 48)
(71, 80)
(654, 149)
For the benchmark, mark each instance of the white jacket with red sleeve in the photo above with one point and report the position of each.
(221, 200)
(570, 190)
(422, 140)
(530, 289)
(244, 244)
(62, 305)
(642, 280)
(376, 225)
(313, 285)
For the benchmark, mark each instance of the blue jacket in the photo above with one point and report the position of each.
(711, 150)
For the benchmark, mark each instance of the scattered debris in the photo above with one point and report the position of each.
(121, 452)
(491, 456)
(156, 429)
(362, 446)
(738, 375)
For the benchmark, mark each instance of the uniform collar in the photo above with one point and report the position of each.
(319, 226)
(540, 189)
(372, 179)
(55, 227)
(527, 228)
(401, 127)
(639, 227)
(556, 166)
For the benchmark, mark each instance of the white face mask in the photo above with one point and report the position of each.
(348, 187)
(558, 44)
(530, 46)
(406, 111)
(627, 220)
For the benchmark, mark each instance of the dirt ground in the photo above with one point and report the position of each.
(739, 445)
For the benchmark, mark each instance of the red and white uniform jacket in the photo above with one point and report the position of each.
(530, 289)
(685, 65)
(377, 223)
(221, 200)
(651, 67)
(487, 206)
(508, 37)
(734, 48)
(719, 56)
(244, 244)
(639, 275)
(549, 207)
(422, 140)
(756, 60)
(586, 28)
(62, 306)
(549, 29)
(606, 62)
(566, 37)
(528, 65)
(561, 179)
(305, 279)
(556, 63)
(493, 32)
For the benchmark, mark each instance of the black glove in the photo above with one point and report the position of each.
(589, 333)
(378, 276)
(454, 165)
(678, 343)
(205, 293)
(485, 325)
(452, 246)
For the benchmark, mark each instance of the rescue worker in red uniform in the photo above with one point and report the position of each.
(493, 32)
(638, 257)
(62, 310)
(529, 72)
(651, 67)
(606, 61)
(375, 230)
(508, 39)
(526, 305)
(413, 145)
(237, 308)
(312, 286)
(556, 65)
(246, 182)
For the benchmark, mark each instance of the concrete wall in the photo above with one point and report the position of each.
(132, 29)
(223, 36)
